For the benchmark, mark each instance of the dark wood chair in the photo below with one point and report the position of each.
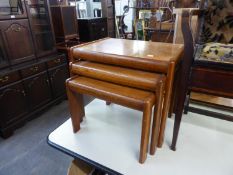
(200, 72)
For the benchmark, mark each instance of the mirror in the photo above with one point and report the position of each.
(11, 7)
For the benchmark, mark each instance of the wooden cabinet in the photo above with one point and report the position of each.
(91, 29)
(13, 107)
(38, 90)
(58, 77)
(30, 89)
(41, 28)
(65, 22)
(17, 40)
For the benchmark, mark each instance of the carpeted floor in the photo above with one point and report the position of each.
(27, 151)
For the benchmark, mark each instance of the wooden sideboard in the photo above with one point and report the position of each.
(32, 73)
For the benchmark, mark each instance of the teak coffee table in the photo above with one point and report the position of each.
(135, 74)
(162, 58)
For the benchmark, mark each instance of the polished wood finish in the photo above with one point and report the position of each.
(149, 56)
(17, 40)
(122, 67)
(91, 29)
(203, 79)
(122, 95)
(119, 75)
(212, 99)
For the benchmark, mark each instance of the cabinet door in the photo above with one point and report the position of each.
(17, 40)
(13, 104)
(41, 27)
(38, 90)
(58, 77)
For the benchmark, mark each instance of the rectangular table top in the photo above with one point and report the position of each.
(144, 55)
(134, 48)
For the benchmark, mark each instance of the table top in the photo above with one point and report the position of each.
(156, 51)
(109, 139)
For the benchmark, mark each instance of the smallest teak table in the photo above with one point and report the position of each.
(156, 57)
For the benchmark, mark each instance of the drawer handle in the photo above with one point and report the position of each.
(57, 60)
(103, 29)
(34, 69)
(4, 79)
(18, 29)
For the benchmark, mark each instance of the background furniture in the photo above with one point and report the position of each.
(32, 74)
(108, 10)
(91, 29)
(208, 75)
(65, 23)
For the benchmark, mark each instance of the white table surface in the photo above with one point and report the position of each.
(110, 137)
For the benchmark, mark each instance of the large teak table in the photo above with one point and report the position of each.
(156, 57)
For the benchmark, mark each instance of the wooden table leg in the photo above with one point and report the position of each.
(157, 118)
(76, 107)
(145, 132)
(166, 104)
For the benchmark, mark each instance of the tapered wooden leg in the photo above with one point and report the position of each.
(186, 104)
(166, 104)
(176, 129)
(76, 107)
(145, 132)
(156, 119)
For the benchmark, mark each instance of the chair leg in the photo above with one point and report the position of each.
(145, 132)
(176, 128)
(76, 108)
(156, 120)
(186, 105)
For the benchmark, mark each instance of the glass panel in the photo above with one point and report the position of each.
(41, 27)
(11, 7)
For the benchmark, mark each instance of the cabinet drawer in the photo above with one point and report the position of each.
(9, 78)
(32, 70)
(56, 62)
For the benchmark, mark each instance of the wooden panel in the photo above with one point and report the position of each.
(220, 101)
(13, 104)
(58, 77)
(38, 90)
(17, 40)
(212, 81)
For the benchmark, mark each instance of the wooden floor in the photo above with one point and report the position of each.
(220, 101)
